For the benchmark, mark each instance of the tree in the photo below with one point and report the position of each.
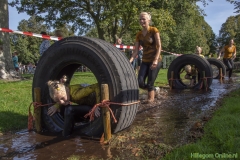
(230, 30)
(27, 46)
(6, 65)
(180, 22)
(110, 18)
(191, 29)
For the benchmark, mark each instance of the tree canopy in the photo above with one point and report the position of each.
(181, 23)
(27, 46)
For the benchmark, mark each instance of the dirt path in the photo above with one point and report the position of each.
(176, 119)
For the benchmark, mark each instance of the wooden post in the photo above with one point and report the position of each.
(171, 81)
(220, 75)
(37, 112)
(204, 81)
(106, 114)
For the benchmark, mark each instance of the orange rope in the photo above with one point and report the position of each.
(106, 103)
(30, 115)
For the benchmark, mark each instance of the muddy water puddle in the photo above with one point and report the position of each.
(175, 119)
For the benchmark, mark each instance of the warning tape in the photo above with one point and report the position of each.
(124, 47)
(132, 47)
(31, 34)
(59, 38)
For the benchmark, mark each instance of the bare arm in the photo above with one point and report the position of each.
(135, 52)
(158, 52)
(234, 54)
(219, 54)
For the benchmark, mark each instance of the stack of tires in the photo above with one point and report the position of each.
(204, 66)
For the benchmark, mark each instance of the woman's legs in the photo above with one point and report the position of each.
(229, 63)
(152, 75)
(145, 71)
(70, 114)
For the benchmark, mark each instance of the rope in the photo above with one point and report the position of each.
(30, 115)
(106, 103)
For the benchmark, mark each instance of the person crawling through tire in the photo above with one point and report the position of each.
(83, 97)
(191, 74)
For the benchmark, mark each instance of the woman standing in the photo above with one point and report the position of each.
(149, 39)
(228, 57)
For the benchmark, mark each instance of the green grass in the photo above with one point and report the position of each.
(15, 99)
(221, 133)
(16, 96)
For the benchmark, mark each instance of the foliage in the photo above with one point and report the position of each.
(1, 42)
(230, 30)
(28, 46)
(181, 23)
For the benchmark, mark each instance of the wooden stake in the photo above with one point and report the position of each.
(106, 114)
(220, 75)
(37, 112)
(204, 81)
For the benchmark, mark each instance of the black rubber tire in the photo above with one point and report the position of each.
(189, 59)
(108, 64)
(219, 64)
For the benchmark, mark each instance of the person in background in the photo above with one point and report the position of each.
(59, 33)
(230, 52)
(15, 61)
(119, 42)
(149, 39)
(199, 52)
(210, 55)
(139, 58)
(44, 45)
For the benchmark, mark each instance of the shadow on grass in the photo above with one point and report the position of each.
(10, 121)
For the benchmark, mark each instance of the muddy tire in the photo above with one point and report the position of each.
(189, 59)
(108, 64)
(218, 64)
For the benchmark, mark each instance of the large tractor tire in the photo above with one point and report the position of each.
(108, 64)
(189, 59)
(216, 65)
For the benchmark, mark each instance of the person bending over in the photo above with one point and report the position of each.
(191, 73)
(77, 101)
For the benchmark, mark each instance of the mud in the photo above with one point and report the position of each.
(176, 118)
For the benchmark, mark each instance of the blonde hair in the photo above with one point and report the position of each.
(146, 13)
(199, 49)
(57, 87)
(188, 68)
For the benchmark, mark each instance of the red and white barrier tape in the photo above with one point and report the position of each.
(124, 47)
(59, 38)
(31, 34)
(132, 47)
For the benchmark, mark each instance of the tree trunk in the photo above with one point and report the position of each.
(6, 64)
